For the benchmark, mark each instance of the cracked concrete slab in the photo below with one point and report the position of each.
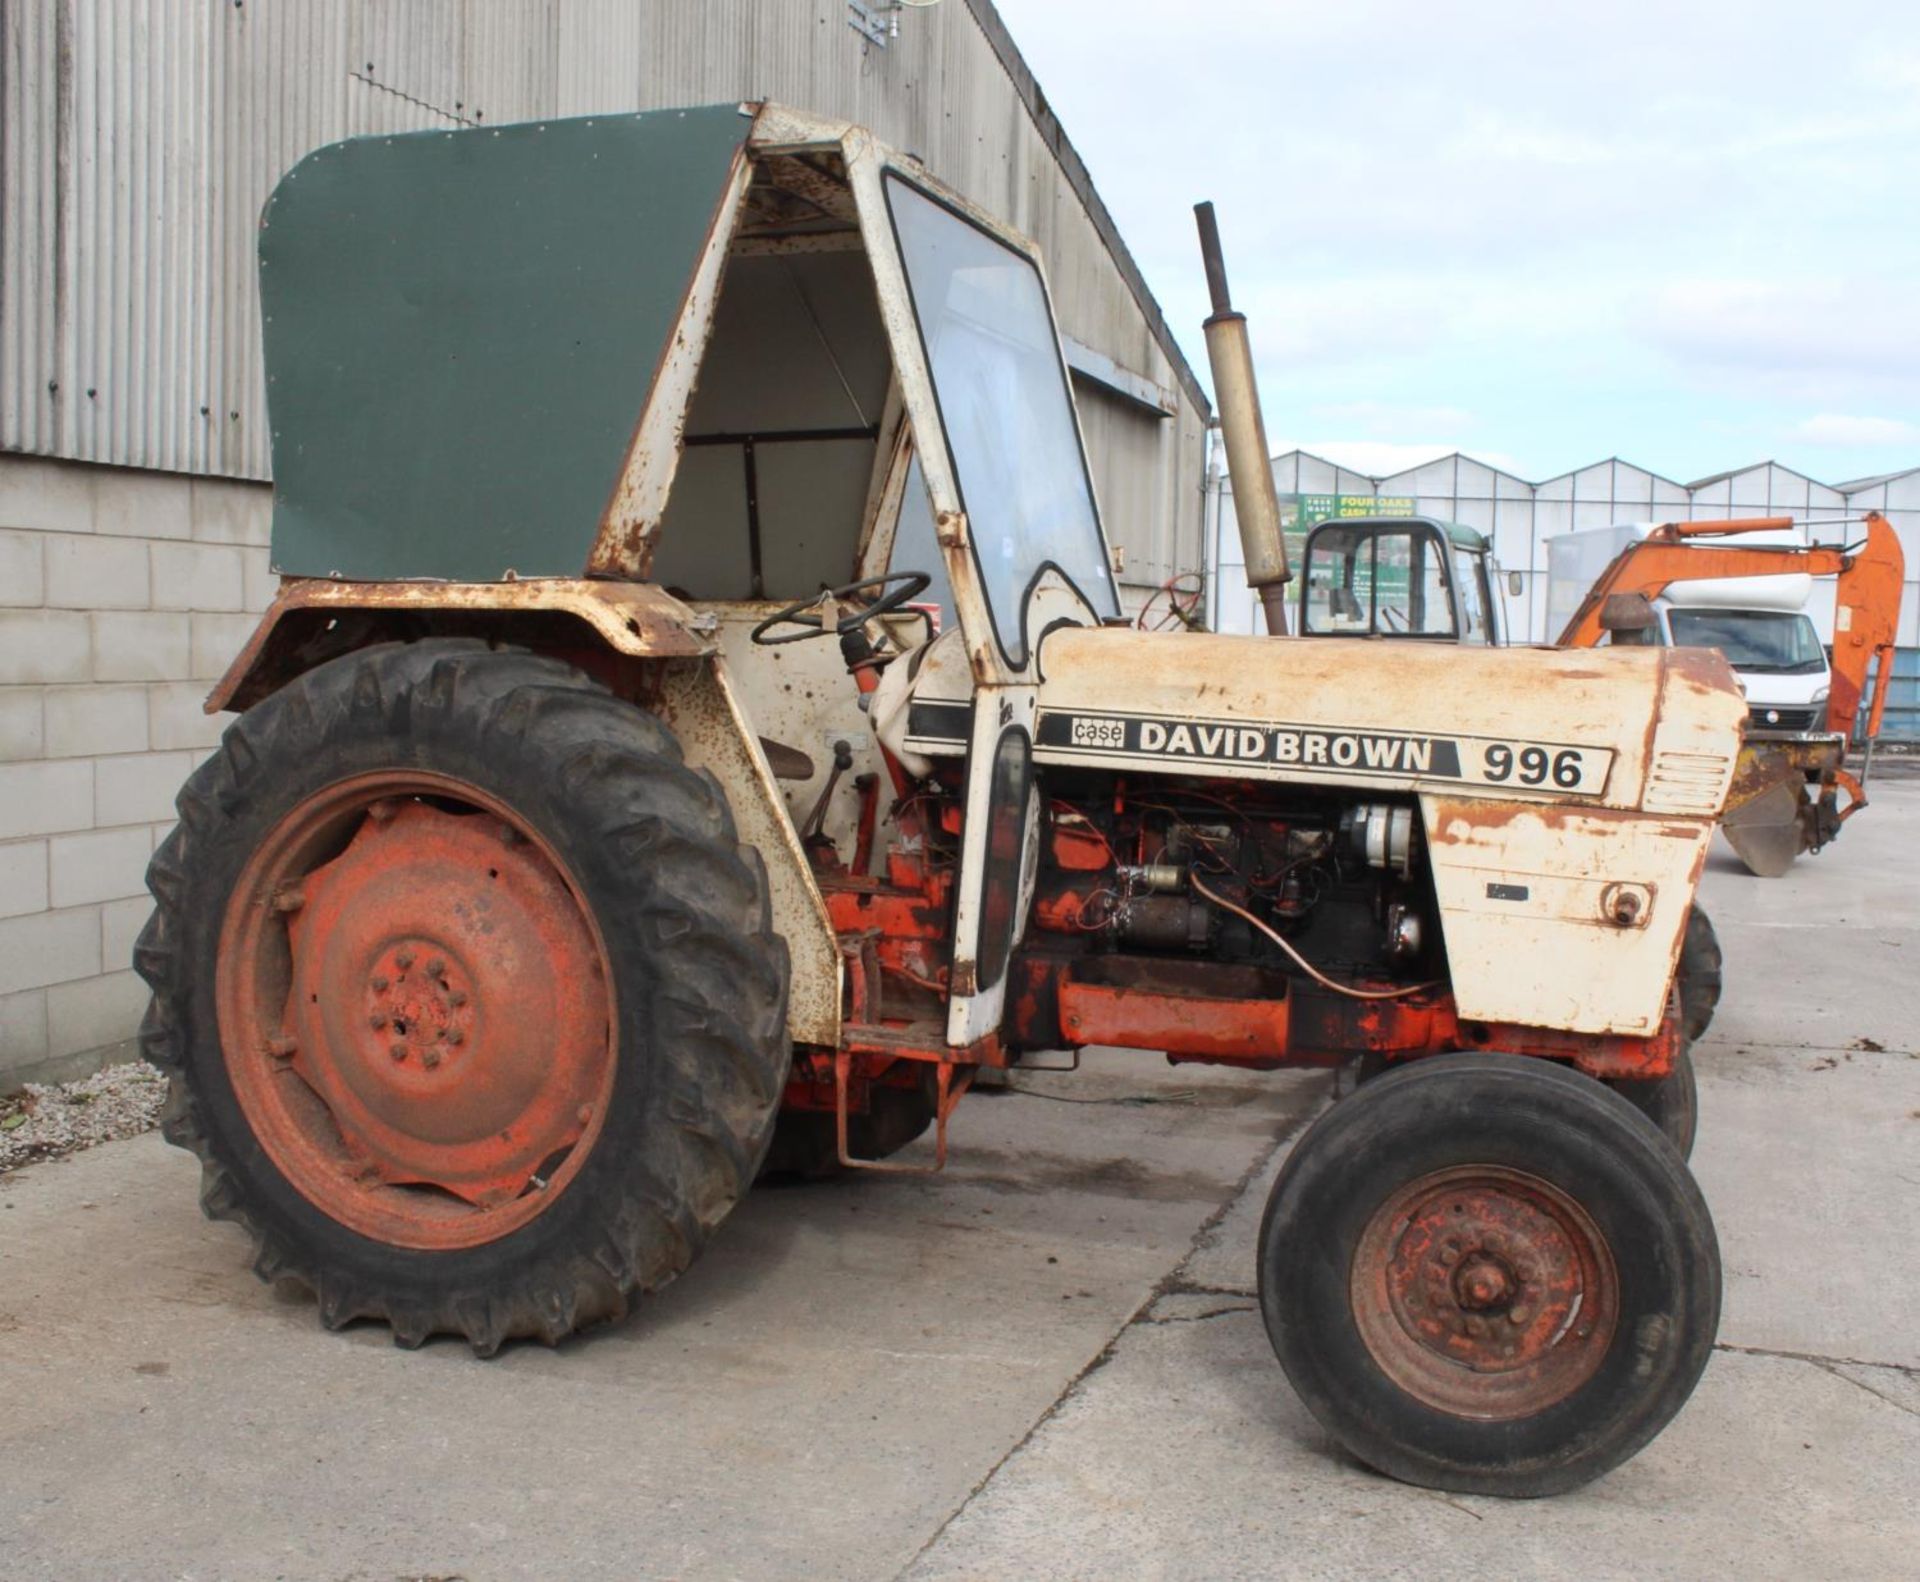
(812, 1400)
(1184, 1459)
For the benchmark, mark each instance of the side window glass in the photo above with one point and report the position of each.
(1340, 583)
(1473, 597)
(1410, 587)
(917, 548)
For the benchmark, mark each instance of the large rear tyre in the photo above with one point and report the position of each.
(1487, 1274)
(469, 995)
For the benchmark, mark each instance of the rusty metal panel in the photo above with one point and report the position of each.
(1602, 895)
(1568, 796)
(717, 733)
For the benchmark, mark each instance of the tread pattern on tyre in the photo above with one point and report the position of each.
(1548, 1121)
(1672, 1102)
(702, 1047)
(1701, 969)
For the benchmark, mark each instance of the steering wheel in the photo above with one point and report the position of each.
(804, 613)
(1174, 605)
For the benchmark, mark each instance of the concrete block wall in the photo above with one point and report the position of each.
(123, 595)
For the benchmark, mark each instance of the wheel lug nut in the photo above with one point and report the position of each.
(436, 968)
(457, 997)
(397, 1050)
(456, 1037)
(381, 983)
(1450, 1254)
(403, 959)
(429, 1057)
(377, 1021)
(1519, 1315)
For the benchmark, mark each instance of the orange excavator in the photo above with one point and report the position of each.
(1786, 790)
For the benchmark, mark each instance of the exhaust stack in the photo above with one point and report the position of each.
(1255, 503)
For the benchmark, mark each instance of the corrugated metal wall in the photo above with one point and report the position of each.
(142, 136)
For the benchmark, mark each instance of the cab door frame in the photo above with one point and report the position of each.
(1001, 827)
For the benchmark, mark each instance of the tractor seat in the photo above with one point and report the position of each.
(787, 763)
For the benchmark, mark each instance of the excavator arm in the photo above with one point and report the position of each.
(1867, 594)
(1785, 793)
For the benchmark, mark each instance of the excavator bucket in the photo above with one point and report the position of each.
(1765, 833)
(1781, 800)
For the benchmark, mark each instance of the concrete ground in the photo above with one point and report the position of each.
(1045, 1364)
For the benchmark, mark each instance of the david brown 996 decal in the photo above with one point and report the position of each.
(1336, 751)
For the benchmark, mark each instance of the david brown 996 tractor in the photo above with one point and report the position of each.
(574, 857)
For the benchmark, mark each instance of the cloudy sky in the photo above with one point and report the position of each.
(1684, 233)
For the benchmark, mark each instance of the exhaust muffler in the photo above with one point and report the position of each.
(1256, 504)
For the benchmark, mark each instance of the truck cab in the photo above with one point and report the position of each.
(1400, 576)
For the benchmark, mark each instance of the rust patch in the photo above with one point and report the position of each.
(1252, 1031)
(1461, 821)
(635, 619)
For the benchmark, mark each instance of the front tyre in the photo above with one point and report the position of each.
(469, 995)
(1489, 1275)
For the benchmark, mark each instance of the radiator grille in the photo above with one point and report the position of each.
(1768, 718)
(1687, 782)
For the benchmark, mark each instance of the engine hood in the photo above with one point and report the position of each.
(1621, 728)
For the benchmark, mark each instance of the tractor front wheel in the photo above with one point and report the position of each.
(469, 995)
(1490, 1275)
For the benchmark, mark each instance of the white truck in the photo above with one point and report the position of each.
(1760, 624)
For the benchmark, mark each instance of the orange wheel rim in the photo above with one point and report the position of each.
(1485, 1292)
(415, 1010)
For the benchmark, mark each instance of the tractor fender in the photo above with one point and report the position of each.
(313, 620)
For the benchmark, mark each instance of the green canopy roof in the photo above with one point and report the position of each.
(461, 331)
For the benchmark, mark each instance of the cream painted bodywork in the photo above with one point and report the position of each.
(1524, 876)
(1523, 891)
(700, 702)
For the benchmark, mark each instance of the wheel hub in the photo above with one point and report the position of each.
(1484, 1292)
(434, 1003)
(1482, 1283)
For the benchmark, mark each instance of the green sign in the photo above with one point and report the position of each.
(1299, 512)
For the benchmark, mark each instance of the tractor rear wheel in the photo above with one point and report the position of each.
(469, 995)
(1487, 1274)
